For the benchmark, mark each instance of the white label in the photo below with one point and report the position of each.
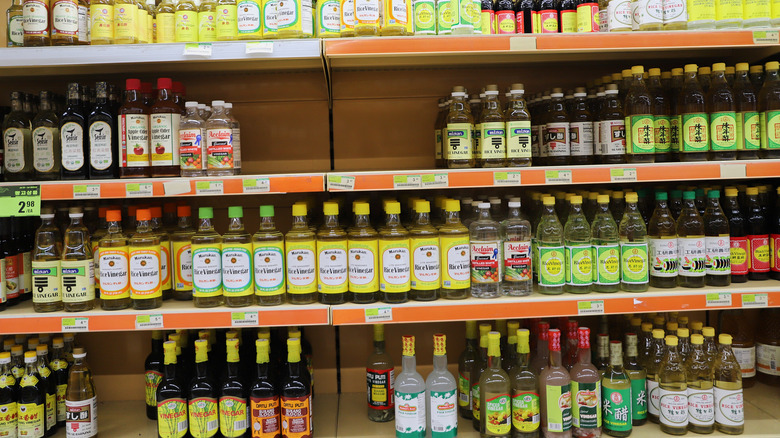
(36, 16)
(612, 135)
(286, 13)
(407, 181)
(236, 269)
(675, 11)
(435, 180)
(139, 190)
(557, 176)
(248, 17)
(458, 263)
(16, 30)
(43, 148)
(399, 11)
(746, 357)
(260, 46)
(622, 175)
(113, 270)
(65, 17)
(768, 359)
(426, 263)
(395, 265)
(718, 255)
(692, 256)
(729, 407)
(701, 407)
(164, 139)
(330, 15)
(595, 307)
(88, 191)
(637, 12)
(146, 322)
(557, 141)
(256, 185)
(206, 269)
(673, 406)
(619, 15)
(654, 394)
(81, 418)
(332, 266)
(72, 143)
(582, 138)
(100, 147)
(366, 10)
(244, 319)
(83, 20)
(379, 314)
(197, 49)
(728, 171)
(409, 413)
(134, 133)
(663, 257)
(339, 182)
(361, 266)
(444, 411)
(269, 266)
(144, 271)
(75, 324)
(348, 14)
(301, 267)
(14, 149)
(209, 187)
(755, 300)
(506, 178)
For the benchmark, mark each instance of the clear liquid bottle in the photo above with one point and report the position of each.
(692, 245)
(485, 252)
(15, 23)
(672, 390)
(17, 141)
(694, 121)
(166, 283)
(37, 24)
(206, 247)
(722, 113)
(458, 134)
(525, 392)
(586, 388)
(235, 127)
(633, 248)
(379, 378)
(605, 238)
(612, 128)
(493, 146)
(479, 367)
(466, 363)
(518, 129)
(617, 394)
(192, 148)
(237, 271)
(640, 124)
(181, 247)
(717, 242)
(47, 275)
(363, 247)
(219, 142)
(145, 264)
(748, 126)
(186, 22)
(300, 259)
(425, 252)
(207, 26)
(81, 396)
(114, 262)
(46, 140)
(441, 391)
(578, 249)
(78, 264)
(638, 375)
(410, 415)
(662, 237)
(769, 107)
(395, 258)
(268, 260)
(515, 232)
(494, 393)
(555, 384)
(333, 274)
(550, 250)
(699, 375)
(729, 402)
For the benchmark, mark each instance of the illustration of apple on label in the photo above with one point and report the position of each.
(138, 150)
(159, 149)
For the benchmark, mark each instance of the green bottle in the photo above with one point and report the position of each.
(550, 250)
(578, 250)
(606, 248)
(633, 248)
(638, 375)
(616, 394)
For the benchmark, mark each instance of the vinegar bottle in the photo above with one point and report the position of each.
(268, 257)
(363, 250)
(638, 375)
(640, 125)
(219, 142)
(114, 262)
(633, 248)
(295, 390)
(133, 133)
(153, 368)
(102, 136)
(758, 237)
(37, 27)
(578, 250)
(661, 116)
(739, 253)
(494, 393)
(332, 278)
(492, 146)
(202, 395)
(612, 129)
(264, 393)
(485, 255)
(31, 399)
(50, 387)
(425, 252)
(46, 141)
(186, 22)
(557, 141)
(728, 389)
(458, 136)
(171, 396)
(237, 271)
(71, 128)
(466, 362)
(192, 147)
(395, 282)
(78, 264)
(47, 278)
(379, 377)
(555, 384)
(748, 126)
(672, 391)
(518, 128)
(441, 391)
(300, 258)
(717, 243)
(662, 236)
(164, 131)
(617, 394)
(606, 249)
(479, 367)
(769, 105)
(691, 260)
(723, 122)
(17, 142)
(698, 368)
(206, 246)
(550, 250)
(585, 385)
(145, 264)
(694, 122)
(517, 278)
(525, 391)
(233, 393)
(181, 247)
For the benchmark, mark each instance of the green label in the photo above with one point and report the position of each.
(551, 265)
(641, 133)
(694, 136)
(232, 417)
(518, 139)
(410, 414)
(424, 17)
(675, 124)
(492, 143)
(586, 404)
(770, 129)
(558, 408)
(633, 261)
(444, 17)
(526, 411)
(204, 417)
(20, 201)
(617, 409)
(663, 134)
(457, 141)
(499, 415)
(748, 131)
(475, 401)
(608, 269)
(723, 131)
(638, 399)
(579, 265)
(464, 391)
(172, 418)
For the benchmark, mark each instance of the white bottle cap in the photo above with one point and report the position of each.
(484, 205)
(217, 103)
(191, 104)
(513, 204)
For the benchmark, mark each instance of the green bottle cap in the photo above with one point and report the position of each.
(689, 195)
(266, 211)
(661, 196)
(206, 213)
(235, 212)
(713, 194)
(676, 194)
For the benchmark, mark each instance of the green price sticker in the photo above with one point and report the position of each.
(18, 201)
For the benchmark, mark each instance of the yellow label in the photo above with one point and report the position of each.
(728, 9)
(426, 263)
(78, 280)
(186, 26)
(396, 14)
(492, 140)
(301, 264)
(395, 267)
(332, 273)
(363, 276)
(47, 282)
(268, 261)
(227, 28)
(151, 26)
(701, 10)
(757, 9)
(568, 21)
(141, 25)
(455, 262)
(206, 270)
(114, 262)
(61, 392)
(182, 265)
(102, 21)
(207, 26)
(125, 27)
(30, 420)
(166, 27)
(165, 265)
(8, 419)
(145, 278)
(458, 139)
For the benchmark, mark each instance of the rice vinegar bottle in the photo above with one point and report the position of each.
(729, 402)
(237, 261)
(692, 247)
(268, 260)
(492, 147)
(114, 260)
(300, 258)
(633, 248)
(717, 242)
(748, 126)
(425, 252)
(662, 239)
(32, 399)
(550, 250)
(578, 249)
(363, 247)
(78, 267)
(166, 282)
(206, 262)
(698, 371)
(672, 390)
(227, 20)
(145, 264)
(455, 258)
(333, 274)
(640, 124)
(181, 248)
(207, 23)
(722, 112)
(769, 105)
(694, 121)
(46, 279)
(458, 133)
(394, 263)
(606, 249)
(50, 387)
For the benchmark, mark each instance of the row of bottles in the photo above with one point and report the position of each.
(687, 114)
(141, 137)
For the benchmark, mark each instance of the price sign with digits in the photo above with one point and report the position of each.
(20, 201)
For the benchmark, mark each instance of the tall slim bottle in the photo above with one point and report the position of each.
(202, 393)
(300, 259)
(633, 248)
(171, 398)
(722, 112)
(237, 272)
(32, 399)
(517, 276)
(72, 127)
(748, 126)
(717, 242)
(578, 250)
(758, 237)
(425, 253)
(661, 116)
(557, 141)
(606, 250)
(153, 373)
(662, 236)
(333, 273)
(653, 364)
(466, 362)
(485, 255)
(410, 416)
(550, 250)
(78, 264)
(50, 387)
(617, 397)
(518, 124)
(145, 264)
(363, 247)
(694, 121)
(46, 140)
(612, 129)
(17, 142)
(181, 247)
(769, 107)
(192, 145)
(164, 118)
(379, 378)
(47, 274)
(15, 22)
(479, 367)
(640, 124)
(458, 133)
(699, 375)
(441, 393)
(729, 402)
(114, 262)
(555, 384)
(494, 393)
(264, 393)
(102, 136)
(233, 393)
(455, 253)
(394, 263)
(692, 245)
(638, 375)
(206, 262)
(673, 396)
(268, 260)
(525, 392)
(586, 388)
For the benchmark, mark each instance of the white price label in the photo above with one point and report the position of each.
(595, 307)
(138, 190)
(622, 175)
(733, 171)
(75, 324)
(379, 314)
(197, 49)
(86, 191)
(244, 319)
(719, 299)
(257, 185)
(407, 181)
(766, 37)
(259, 47)
(755, 300)
(148, 322)
(341, 182)
(176, 187)
(208, 188)
(506, 178)
(435, 180)
(557, 176)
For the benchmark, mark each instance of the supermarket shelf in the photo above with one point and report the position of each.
(760, 420)
(534, 176)
(300, 54)
(201, 186)
(501, 49)
(172, 315)
(748, 295)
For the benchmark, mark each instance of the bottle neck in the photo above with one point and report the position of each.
(393, 220)
(440, 362)
(379, 347)
(205, 225)
(452, 217)
(555, 358)
(514, 213)
(267, 223)
(362, 221)
(143, 227)
(423, 219)
(236, 224)
(331, 221)
(201, 369)
(114, 227)
(164, 94)
(409, 363)
(133, 96)
(583, 354)
(299, 222)
(184, 222)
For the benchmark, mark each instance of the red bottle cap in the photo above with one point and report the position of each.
(132, 210)
(554, 341)
(183, 211)
(584, 338)
(169, 207)
(133, 84)
(143, 215)
(544, 327)
(164, 84)
(102, 211)
(156, 212)
(571, 329)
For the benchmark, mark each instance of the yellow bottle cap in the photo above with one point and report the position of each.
(451, 205)
(549, 200)
(169, 352)
(523, 336)
(742, 66)
(422, 206)
(627, 73)
(671, 326)
(666, 75)
(512, 326)
(299, 209)
(671, 341)
(724, 339)
(606, 79)
(637, 70)
(658, 320)
(658, 334)
(719, 66)
(5, 357)
(201, 350)
(362, 208)
(632, 197)
(654, 72)
(647, 327)
(683, 333)
(439, 344)
(683, 320)
(696, 325)
(752, 191)
(697, 339)
(708, 332)
(677, 72)
(636, 321)
(691, 68)
(576, 199)
(617, 77)
(732, 191)
(756, 68)
(408, 345)
(617, 194)
(471, 330)
(772, 65)
(393, 207)
(593, 196)
(484, 329)
(603, 199)
(379, 332)
(17, 350)
(330, 209)
(704, 70)
(730, 70)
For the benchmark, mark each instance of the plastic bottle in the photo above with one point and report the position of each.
(581, 129)
(268, 260)
(493, 144)
(515, 232)
(333, 275)
(78, 278)
(633, 248)
(662, 234)
(410, 415)
(694, 138)
(300, 258)
(458, 135)
(114, 261)
(219, 142)
(550, 250)
(692, 246)
(578, 249)
(46, 280)
(757, 13)
(718, 246)
(207, 23)
(206, 250)
(485, 251)
(394, 254)
(748, 126)
(367, 17)
(518, 129)
(145, 264)
(613, 128)
(728, 14)
(728, 389)
(769, 107)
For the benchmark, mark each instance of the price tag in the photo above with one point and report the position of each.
(506, 178)
(435, 180)
(379, 314)
(176, 187)
(88, 191)
(407, 181)
(719, 299)
(20, 201)
(557, 176)
(75, 324)
(138, 189)
(755, 300)
(622, 175)
(256, 185)
(733, 171)
(595, 307)
(766, 37)
(197, 49)
(208, 188)
(259, 47)
(244, 319)
(341, 182)
(148, 322)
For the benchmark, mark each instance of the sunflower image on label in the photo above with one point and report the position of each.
(203, 417)
(723, 131)
(695, 133)
(333, 274)
(395, 265)
(718, 255)
(586, 405)
(426, 263)
(409, 414)
(172, 418)
(617, 409)
(634, 263)
(206, 270)
(517, 261)
(701, 407)
(46, 282)
(114, 265)
(484, 262)
(301, 267)
(269, 268)
(552, 265)
(640, 134)
(729, 407)
(363, 266)
(237, 269)
(444, 414)
(265, 417)
(607, 259)
(673, 407)
(499, 415)
(456, 262)
(692, 258)
(739, 255)
(152, 380)
(559, 418)
(78, 280)
(145, 272)
(663, 257)
(458, 141)
(579, 265)
(475, 401)
(526, 410)
(232, 417)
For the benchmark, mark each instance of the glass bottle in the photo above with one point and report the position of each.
(395, 265)
(363, 249)
(515, 232)
(50, 389)
(102, 136)
(640, 124)
(729, 403)
(699, 372)
(300, 259)
(237, 271)
(662, 234)
(81, 397)
(202, 395)
(602, 352)
(409, 393)
(153, 373)
(638, 375)
(767, 343)
(15, 24)
(606, 251)
(59, 368)
(494, 393)
(114, 263)
(581, 129)
(164, 117)
(694, 124)
(518, 128)
(72, 125)
(466, 363)
(171, 396)
(661, 116)
(181, 247)
(557, 141)
(264, 393)
(46, 141)
(455, 253)
(618, 397)
(206, 247)
(441, 392)
(525, 392)
(652, 364)
(31, 399)
(233, 395)
(758, 237)
(426, 259)
(479, 367)
(572, 352)
(578, 249)
(673, 405)
(633, 248)
(332, 249)
(268, 258)
(586, 388)
(37, 24)
(145, 264)
(722, 109)
(17, 141)
(612, 128)
(555, 384)
(192, 148)
(769, 107)
(134, 133)
(458, 133)
(550, 250)
(493, 146)
(46, 278)
(746, 104)
(78, 277)
(717, 243)
(379, 378)
(485, 255)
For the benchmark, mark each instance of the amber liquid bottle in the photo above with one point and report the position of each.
(164, 131)
(723, 116)
(557, 141)
(640, 125)
(133, 133)
(694, 122)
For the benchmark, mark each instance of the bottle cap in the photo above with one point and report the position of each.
(190, 104)
(691, 68)
(689, 195)
(205, 213)
(583, 337)
(30, 357)
(742, 66)
(408, 345)
(751, 191)
(228, 105)
(183, 211)
(548, 200)
(422, 206)
(658, 334)
(704, 70)
(266, 211)
(713, 194)
(671, 341)
(647, 327)
(164, 84)
(451, 205)
(772, 65)
(5, 357)
(654, 72)
(133, 84)
(719, 66)
(330, 208)
(156, 212)
(697, 339)
(756, 68)
(514, 204)
(661, 196)
(216, 103)
(671, 326)
(683, 333)
(626, 73)
(114, 215)
(439, 344)
(576, 199)
(393, 207)
(235, 212)
(554, 339)
(666, 75)
(41, 349)
(362, 208)
(523, 336)
(143, 214)
(299, 209)
(632, 197)
(696, 325)
(637, 70)
(708, 332)
(724, 339)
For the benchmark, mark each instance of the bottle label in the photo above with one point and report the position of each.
(219, 147)
(774, 252)
(619, 15)
(332, 267)
(206, 270)
(757, 9)
(673, 406)
(81, 418)
(444, 17)
(458, 139)
(456, 262)
(425, 17)
(363, 265)
(701, 407)
(100, 145)
(134, 139)
(227, 29)
(557, 139)
(114, 264)
(581, 137)
(701, 10)
(746, 357)
(237, 269)
(695, 133)
(464, 391)
(367, 12)
(8, 420)
(438, 141)
(409, 414)
(347, 15)
(396, 275)
(171, 418)
(723, 131)
(559, 405)
(444, 414)
(329, 13)
(692, 256)
(768, 359)
(203, 417)
(61, 392)
(269, 268)
(759, 253)
(296, 417)
(78, 280)
(487, 22)
(36, 17)
(426, 263)
(492, 140)
(586, 404)
(125, 21)
(608, 264)
(499, 415)
(548, 21)
(506, 22)
(518, 139)
(380, 388)
(552, 265)
(654, 396)
(165, 265)
(145, 272)
(663, 256)
(14, 149)
(718, 255)
(675, 11)
(641, 134)
(663, 138)
(164, 139)
(43, 148)
(739, 255)
(301, 267)
(248, 17)
(517, 261)
(638, 399)
(46, 282)
(579, 265)
(748, 126)
(12, 281)
(617, 409)
(613, 137)
(152, 380)
(31, 419)
(190, 149)
(729, 407)
(72, 143)
(182, 262)
(207, 26)
(633, 262)
(102, 21)
(287, 15)
(265, 417)
(526, 411)
(16, 30)
(484, 262)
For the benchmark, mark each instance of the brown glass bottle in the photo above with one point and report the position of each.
(640, 128)
(723, 120)
(581, 129)
(769, 105)
(741, 324)
(694, 125)
(748, 126)
(691, 252)
(133, 133)
(557, 141)
(163, 131)
(612, 128)
(716, 231)
(661, 116)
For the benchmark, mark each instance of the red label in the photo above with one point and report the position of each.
(548, 21)
(265, 417)
(520, 22)
(380, 389)
(774, 246)
(505, 22)
(296, 420)
(739, 256)
(759, 253)
(12, 265)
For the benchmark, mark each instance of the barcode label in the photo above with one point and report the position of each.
(182, 425)
(379, 314)
(212, 425)
(239, 425)
(554, 426)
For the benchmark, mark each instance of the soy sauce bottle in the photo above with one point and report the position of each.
(72, 137)
(738, 237)
(102, 136)
(758, 237)
(295, 389)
